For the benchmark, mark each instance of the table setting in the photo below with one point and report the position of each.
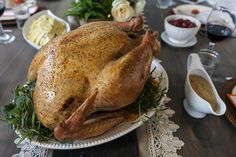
(117, 77)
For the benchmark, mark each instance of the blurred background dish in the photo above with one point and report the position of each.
(42, 33)
(192, 1)
(9, 14)
(200, 12)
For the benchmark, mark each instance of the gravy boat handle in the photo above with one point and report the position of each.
(194, 62)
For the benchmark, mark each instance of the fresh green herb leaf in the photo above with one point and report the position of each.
(90, 14)
(150, 97)
(21, 117)
(91, 9)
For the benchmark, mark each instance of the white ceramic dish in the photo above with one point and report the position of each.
(27, 24)
(194, 104)
(116, 132)
(192, 2)
(186, 9)
(189, 43)
(181, 35)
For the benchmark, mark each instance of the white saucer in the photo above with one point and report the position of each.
(189, 43)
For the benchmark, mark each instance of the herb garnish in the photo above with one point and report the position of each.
(20, 114)
(150, 97)
(21, 117)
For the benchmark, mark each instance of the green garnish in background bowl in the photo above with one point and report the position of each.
(91, 9)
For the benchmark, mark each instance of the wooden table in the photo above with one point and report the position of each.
(207, 137)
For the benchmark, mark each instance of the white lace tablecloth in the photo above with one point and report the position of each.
(29, 150)
(155, 137)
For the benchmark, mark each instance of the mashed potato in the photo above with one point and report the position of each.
(44, 29)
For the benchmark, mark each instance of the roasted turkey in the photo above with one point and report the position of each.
(99, 67)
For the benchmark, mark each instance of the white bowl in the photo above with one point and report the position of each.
(26, 27)
(181, 35)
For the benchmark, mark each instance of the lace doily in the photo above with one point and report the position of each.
(29, 150)
(155, 138)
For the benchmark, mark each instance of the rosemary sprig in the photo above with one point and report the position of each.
(150, 97)
(21, 117)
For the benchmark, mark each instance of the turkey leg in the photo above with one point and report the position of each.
(75, 126)
(130, 71)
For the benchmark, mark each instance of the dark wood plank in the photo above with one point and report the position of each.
(210, 136)
(125, 146)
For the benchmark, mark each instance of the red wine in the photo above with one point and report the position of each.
(217, 33)
(2, 8)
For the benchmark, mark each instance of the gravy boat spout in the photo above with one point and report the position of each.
(201, 97)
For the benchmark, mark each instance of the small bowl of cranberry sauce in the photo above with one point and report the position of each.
(181, 28)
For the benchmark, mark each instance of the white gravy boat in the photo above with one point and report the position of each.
(195, 105)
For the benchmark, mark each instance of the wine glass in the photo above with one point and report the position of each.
(220, 24)
(4, 38)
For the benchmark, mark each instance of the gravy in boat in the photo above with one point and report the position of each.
(204, 90)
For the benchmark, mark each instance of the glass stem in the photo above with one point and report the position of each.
(1, 30)
(211, 45)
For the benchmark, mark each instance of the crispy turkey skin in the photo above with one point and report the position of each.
(100, 66)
